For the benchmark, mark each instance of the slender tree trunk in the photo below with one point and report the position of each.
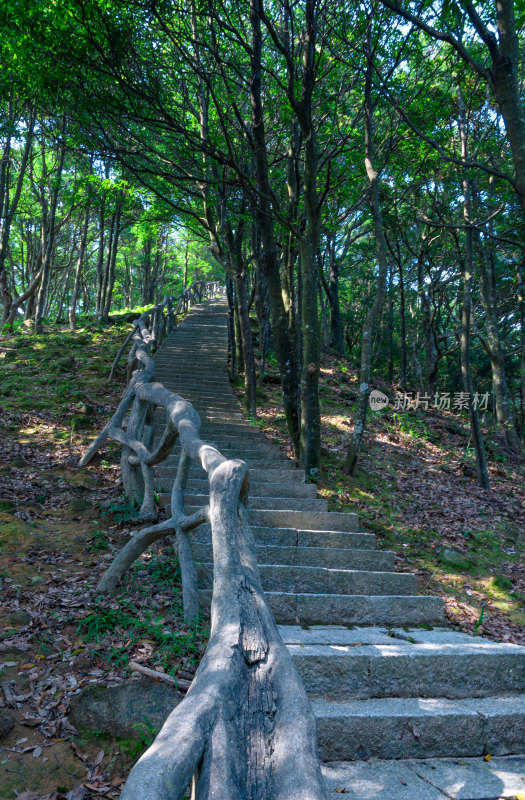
(475, 427)
(283, 340)
(336, 325)
(107, 269)
(100, 257)
(9, 205)
(324, 316)
(231, 329)
(493, 345)
(505, 81)
(50, 238)
(78, 272)
(112, 262)
(250, 380)
(521, 300)
(375, 310)
(402, 314)
(427, 313)
(238, 331)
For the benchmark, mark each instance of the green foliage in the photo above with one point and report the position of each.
(120, 510)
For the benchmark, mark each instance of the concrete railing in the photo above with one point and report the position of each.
(245, 730)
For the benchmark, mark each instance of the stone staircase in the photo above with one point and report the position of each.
(433, 700)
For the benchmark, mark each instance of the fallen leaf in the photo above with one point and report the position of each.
(487, 757)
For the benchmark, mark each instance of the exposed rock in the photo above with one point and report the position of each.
(78, 504)
(455, 558)
(122, 710)
(6, 722)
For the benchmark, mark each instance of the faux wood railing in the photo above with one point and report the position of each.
(245, 730)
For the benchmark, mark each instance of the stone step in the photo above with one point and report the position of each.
(422, 727)
(330, 557)
(290, 537)
(308, 520)
(261, 464)
(232, 448)
(336, 663)
(255, 502)
(427, 779)
(257, 489)
(321, 609)
(272, 473)
(266, 460)
(289, 578)
(305, 520)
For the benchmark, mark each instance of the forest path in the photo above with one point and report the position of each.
(387, 690)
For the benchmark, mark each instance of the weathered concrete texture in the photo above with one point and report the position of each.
(290, 537)
(372, 780)
(432, 779)
(285, 503)
(123, 710)
(397, 728)
(408, 670)
(355, 609)
(333, 635)
(368, 560)
(419, 727)
(290, 578)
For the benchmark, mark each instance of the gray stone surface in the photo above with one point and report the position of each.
(307, 520)
(397, 728)
(371, 780)
(428, 779)
(444, 636)
(354, 609)
(333, 635)
(121, 710)
(286, 578)
(474, 778)
(503, 723)
(409, 670)
(329, 557)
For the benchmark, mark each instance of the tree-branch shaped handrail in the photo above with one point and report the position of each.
(245, 730)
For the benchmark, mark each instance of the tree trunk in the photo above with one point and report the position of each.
(231, 329)
(475, 427)
(375, 310)
(250, 380)
(112, 262)
(9, 205)
(100, 257)
(282, 336)
(521, 299)
(336, 325)
(239, 354)
(504, 415)
(50, 236)
(78, 272)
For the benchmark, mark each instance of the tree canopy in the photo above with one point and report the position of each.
(353, 171)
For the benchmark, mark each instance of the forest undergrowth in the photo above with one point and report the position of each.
(416, 489)
(59, 528)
